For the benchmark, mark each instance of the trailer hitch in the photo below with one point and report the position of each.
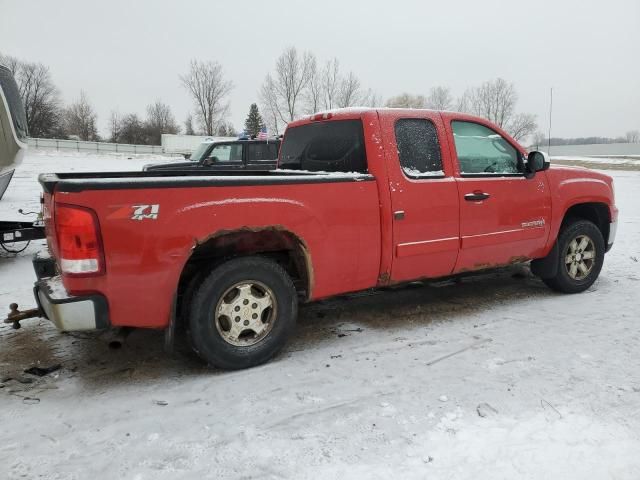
(15, 316)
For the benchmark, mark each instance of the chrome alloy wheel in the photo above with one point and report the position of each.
(245, 313)
(580, 257)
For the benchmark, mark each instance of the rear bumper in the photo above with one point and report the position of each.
(68, 312)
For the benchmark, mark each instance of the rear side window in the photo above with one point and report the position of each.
(262, 151)
(418, 148)
(334, 146)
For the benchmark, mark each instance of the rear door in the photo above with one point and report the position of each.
(262, 155)
(504, 217)
(424, 196)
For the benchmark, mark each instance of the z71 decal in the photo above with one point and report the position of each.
(135, 212)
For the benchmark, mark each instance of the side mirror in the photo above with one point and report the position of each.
(537, 162)
(207, 162)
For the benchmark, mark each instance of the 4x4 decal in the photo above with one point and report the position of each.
(136, 212)
(142, 212)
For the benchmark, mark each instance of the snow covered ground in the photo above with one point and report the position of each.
(494, 377)
(619, 162)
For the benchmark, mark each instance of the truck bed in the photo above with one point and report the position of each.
(153, 223)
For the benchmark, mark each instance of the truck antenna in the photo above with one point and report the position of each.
(550, 111)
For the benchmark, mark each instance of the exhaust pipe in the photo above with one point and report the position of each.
(119, 337)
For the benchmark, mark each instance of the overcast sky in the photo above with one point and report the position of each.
(126, 54)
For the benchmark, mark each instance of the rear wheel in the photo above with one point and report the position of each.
(581, 256)
(243, 313)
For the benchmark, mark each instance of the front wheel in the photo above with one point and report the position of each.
(243, 313)
(581, 256)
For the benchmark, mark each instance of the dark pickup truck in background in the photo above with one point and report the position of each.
(235, 155)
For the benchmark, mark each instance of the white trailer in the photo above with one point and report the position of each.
(186, 144)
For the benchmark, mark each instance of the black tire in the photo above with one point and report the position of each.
(208, 328)
(563, 281)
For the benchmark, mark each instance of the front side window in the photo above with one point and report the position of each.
(262, 152)
(227, 153)
(418, 148)
(200, 151)
(481, 150)
(334, 146)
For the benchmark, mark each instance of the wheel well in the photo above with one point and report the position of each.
(279, 245)
(597, 213)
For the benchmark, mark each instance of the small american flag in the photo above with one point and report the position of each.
(262, 135)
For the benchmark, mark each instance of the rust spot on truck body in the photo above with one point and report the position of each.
(490, 266)
(247, 240)
(384, 279)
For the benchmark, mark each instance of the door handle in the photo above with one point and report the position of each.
(476, 196)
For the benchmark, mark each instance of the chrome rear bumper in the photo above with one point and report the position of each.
(67, 312)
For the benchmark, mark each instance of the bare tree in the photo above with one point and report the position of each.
(39, 96)
(439, 99)
(313, 97)
(349, 93)
(633, 136)
(13, 63)
(407, 100)
(329, 88)
(463, 102)
(269, 105)
(539, 139)
(496, 101)
(371, 99)
(115, 127)
(226, 130)
(285, 89)
(160, 120)
(188, 125)
(330, 84)
(300, 85)
(522, 125)
(80, 119)
(132, 130)
(209, 90)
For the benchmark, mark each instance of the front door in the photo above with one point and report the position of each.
(424, 196)
(504, 217)
(225, 156)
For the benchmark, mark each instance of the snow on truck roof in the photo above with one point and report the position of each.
(351, 113)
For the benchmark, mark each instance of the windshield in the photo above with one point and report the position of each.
(199, 153)
(335, 146)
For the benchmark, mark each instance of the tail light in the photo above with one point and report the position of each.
(80, 249)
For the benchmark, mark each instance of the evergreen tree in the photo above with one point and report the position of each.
(253, 124)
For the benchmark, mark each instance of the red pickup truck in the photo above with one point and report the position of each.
(365, 198)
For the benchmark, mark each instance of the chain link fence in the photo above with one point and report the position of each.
(98, 147)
